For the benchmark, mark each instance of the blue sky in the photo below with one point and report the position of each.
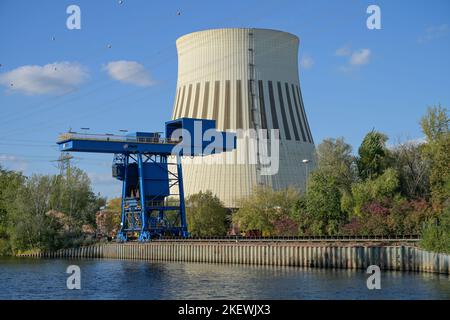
(353, 79)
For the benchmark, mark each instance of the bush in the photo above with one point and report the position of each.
(5, 248)
(45, 211)
(323, 204)
(385, 186)
(271, 212)
(436, 233)
(206, 215)
(373, 156)
(436, 127)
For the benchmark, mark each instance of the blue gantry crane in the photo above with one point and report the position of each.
(149, 167)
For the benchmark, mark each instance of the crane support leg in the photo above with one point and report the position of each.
(122, 236)
(184, 232)
(144, 234)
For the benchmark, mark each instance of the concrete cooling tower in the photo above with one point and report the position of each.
(246, 80)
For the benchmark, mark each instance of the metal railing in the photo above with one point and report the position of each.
(167, 202)
(115, 138)
(340, 238)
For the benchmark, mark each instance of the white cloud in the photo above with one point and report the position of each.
(306, 62)
(360, 57)
(356, 58)
(417, 141)
(129, 72)
(53, 78)
(13, 162)
(405, 142)
(343, 51)
(7, 157)
(434, 32)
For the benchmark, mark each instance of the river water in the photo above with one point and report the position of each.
(130, 279)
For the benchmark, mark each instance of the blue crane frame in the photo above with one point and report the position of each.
(142, 161)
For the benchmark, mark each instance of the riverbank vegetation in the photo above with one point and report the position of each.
(396, 190)
(46, 212)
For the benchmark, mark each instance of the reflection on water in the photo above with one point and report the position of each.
(125, 279)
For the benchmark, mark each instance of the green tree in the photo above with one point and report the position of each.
(72, 194)
(335, 156)
(108, 220)
(373, 156)
(322, 209)
(435, 125)
(10, 184)
(29, 225)
(413, 170)
(115, 205)
(384, 187)
(267, 210)
(39, 212)
(206, 215)
(436, 234)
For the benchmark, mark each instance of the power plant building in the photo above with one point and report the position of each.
(246, 79)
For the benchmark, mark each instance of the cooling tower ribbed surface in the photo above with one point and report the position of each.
(244, 79)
